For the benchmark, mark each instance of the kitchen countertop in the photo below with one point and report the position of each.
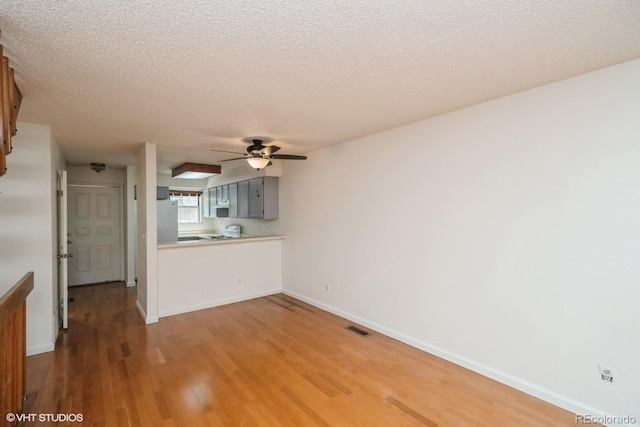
(244, 238)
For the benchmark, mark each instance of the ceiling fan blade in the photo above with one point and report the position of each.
(224, 151)
(288, 157)
(230, 160)
(269, 150)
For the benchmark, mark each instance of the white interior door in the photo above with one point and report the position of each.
(63, 272)
(94, 234)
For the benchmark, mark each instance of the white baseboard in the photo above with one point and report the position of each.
(131, 284)
(38, 349)
(502, 377)
(147, 319)
(216, 303)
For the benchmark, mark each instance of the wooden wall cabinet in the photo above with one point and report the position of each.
(10, 99)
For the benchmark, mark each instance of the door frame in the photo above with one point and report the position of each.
(122, 218)
(62, 252)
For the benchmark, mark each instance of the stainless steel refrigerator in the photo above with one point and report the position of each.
(167, 221)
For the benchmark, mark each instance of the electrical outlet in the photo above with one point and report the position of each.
(606, 374)
(326, 287)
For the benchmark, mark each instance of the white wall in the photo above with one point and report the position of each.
(86, 175)
(207, 275)
(147, 224)
(503, 237)
(165, 180)
(28, 228)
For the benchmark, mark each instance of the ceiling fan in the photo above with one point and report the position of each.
(259, 155)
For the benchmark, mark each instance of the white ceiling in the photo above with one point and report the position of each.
(193, 75)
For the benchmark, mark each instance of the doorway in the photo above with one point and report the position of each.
(94, 234)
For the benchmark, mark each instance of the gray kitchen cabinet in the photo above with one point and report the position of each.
(222, 195)
(254, 198)
(233, 200)
(243, 199)
(221, 209)
(263, 197)
(213, 202)
(162, 193)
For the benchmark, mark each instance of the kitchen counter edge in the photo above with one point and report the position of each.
(243, 239)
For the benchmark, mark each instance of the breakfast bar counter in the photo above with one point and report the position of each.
(198, 274)
(204, 240)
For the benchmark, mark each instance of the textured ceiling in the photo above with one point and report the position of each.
(192, 75)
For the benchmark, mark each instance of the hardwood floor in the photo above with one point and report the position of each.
(270, 361)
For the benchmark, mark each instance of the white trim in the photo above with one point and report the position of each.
(141, 310)
(56, 323)
(502, 377)
(44, 348)
(131, 284)
(147, 320)
(218, 302)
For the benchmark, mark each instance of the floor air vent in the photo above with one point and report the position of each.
(358, 331)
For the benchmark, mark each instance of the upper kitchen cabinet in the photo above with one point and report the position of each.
(222, 195)
(263, 197)
(243, 199)
(209, 202)
(233, 200)
(162, 193)
(206, 207)
(255, 198)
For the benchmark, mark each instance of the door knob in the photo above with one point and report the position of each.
(70, 255)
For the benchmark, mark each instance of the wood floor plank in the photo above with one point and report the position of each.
(272, 361)
(414, 414)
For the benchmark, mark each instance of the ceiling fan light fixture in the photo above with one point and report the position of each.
(98, 167)
(195, 171)
(258, 162)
